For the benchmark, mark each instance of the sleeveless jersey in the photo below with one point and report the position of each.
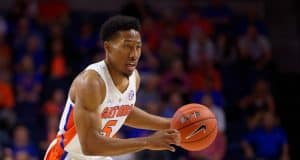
(113, 112)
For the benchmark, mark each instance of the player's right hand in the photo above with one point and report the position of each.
(162, 140)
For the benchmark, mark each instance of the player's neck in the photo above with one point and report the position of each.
(116, 76)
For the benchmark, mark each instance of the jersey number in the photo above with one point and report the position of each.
(107, 129)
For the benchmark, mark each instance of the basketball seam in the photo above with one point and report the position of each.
(196, 122)
(182, 111)
(202, 137)
(191, 107)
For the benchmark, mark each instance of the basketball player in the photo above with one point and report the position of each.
(101, 99)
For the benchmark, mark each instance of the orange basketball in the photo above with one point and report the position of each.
(197, 126)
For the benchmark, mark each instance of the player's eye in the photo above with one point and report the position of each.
(127, 46)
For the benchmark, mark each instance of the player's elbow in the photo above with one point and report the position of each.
(88, 150)
(91, 152)
(91, 148)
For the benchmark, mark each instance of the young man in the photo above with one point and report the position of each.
(101, 99)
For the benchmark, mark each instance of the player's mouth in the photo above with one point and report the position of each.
(131, 65)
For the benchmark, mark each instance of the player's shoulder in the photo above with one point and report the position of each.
(89, 86)
(89, 78)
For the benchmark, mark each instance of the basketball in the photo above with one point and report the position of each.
(197, 126)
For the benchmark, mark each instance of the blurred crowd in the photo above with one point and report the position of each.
(209, 55)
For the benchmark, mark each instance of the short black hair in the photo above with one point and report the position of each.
(118, 23)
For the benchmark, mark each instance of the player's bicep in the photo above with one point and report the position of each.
(87, 124)
(87, 99)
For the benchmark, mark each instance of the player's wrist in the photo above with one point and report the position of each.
(145, 142)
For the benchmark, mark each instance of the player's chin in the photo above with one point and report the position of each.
(128, 72)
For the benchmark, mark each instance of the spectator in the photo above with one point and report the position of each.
(21, 34)
(254, 58)
(5, 141)
(151, 32)
(207, 100)
(254, 45)
(219, 14)
(203, 72)
(84, 44)
(193, 21)
(149, 63)
(21, 8)
(52, 109)
(7, 104)
(22, 156)
(170, 48)
(208, 89)
(57, 31)
(176, 79)
(225, 51)
(5, 49)
(98, 54)
(200, 47)
(268, 141)
(149, 91)
(28, 89)
(175, 101)
(6, 89)
(7, 97)
(28, 82)
(35, 51)
(7, 154)
(22, 146)
(259, 100)
(54, 106)
(52, 123)
(169, 18)
(58, 64)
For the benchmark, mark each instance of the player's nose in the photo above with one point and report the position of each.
(134, 54)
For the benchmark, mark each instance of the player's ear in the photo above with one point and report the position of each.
(107, 46)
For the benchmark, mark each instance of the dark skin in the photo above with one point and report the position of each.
(88, 92)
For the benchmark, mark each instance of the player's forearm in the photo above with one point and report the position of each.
(104, 146)
(153, 123)
(143, 120)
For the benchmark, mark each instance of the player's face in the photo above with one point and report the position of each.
(125, 51)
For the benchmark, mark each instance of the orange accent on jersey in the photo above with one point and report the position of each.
(70, 121)
(107, 129)
(124, 110)
(54, 153)
(57, 151)
(116, 111)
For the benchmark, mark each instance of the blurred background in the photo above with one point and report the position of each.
(238, 57)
